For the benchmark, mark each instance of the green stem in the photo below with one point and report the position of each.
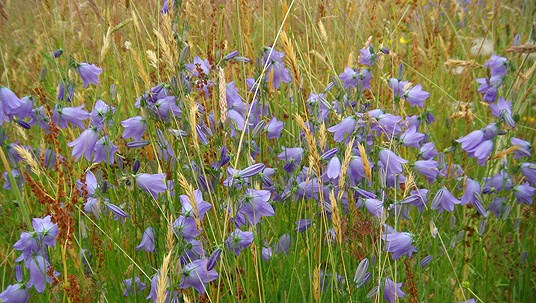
(25, 212)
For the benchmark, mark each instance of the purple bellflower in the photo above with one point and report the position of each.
(275, 67)
(399, 243)
(344, 129)
(9, 103)
(503, 110)
(524, 149)
(101, 113)
(201, 206)
(391, 162)
(428, 151)
(15, 293)
(472, 188)
(293, 156)
(417, 198)
(303, 224)
(74, 115)
(132, 286)
(89, 73)
(479, 143)
(196, 274)
(367, 56)
(239, 240)
(397, 86)
(392, 291)
(153, 184)
(333, 168)
(411, 137)
(104, 151)
(444, 200)
(375, 207)
(416, 95)
(274, 128)
(84, 144)
(186, 227)
(256, 205)
(524, 193)
(529, 171)
(147, 241)
(428, 168)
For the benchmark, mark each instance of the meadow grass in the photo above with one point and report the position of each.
(442, 45)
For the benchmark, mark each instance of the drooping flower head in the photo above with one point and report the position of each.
(89, 73)
(152, 183)
(444, 200)
(196, 274)
(399, 243)
(239, 240)
(147, 241)
(392, 291)
(256, 205)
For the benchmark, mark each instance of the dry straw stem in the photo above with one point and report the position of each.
(335, 218)
(166, 40)
(314, 157)
(222, 85)
(245, 17)
(506, 152)
(140, 67)
(344, 167)
(523, 49)
(453, 63)
(192, 120)
(322, 136)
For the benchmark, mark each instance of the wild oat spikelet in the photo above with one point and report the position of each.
(323, 32)
(452, 63)
(192, 120)
(106, 39)
(322, 136)
(366, 163)
(153, 59)
(170, 235)
(463, 111)
(136, 22)
(140, 67)
(335, 217)
(505, 152)
(316, 283)
(162, 283)
(222, 85)
(319, 56)
(28, 158)
(344, 167)
(191, 196)
(314, 157)
(351, 59)
(166, 50)
(409, 184)
(523, 49)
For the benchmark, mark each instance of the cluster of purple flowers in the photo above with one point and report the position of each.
(496, 69)
(33, 247)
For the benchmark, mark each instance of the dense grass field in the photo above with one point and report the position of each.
(267, 151)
